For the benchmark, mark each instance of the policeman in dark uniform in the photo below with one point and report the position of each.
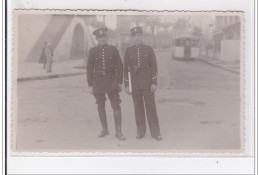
(140, 61)
(105, 76)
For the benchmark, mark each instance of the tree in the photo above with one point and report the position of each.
(180, 26)
(197, 32)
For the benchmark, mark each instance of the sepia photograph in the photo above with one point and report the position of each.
(129, 82)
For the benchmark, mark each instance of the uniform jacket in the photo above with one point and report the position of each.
(104, 69)
(141, 62)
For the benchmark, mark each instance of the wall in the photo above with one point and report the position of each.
(30, 28)
(63, 49)
(230, 50)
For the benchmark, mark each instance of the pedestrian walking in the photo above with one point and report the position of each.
(105, 76)
(43, 59)
(47, 57)
(140, 63)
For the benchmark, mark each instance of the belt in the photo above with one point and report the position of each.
(109, 71)
(139, 68)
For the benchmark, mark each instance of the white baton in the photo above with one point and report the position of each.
(130, 82)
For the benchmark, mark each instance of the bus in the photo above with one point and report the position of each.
(185, 47)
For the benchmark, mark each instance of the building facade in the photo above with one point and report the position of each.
(70, 35)
(227, 38)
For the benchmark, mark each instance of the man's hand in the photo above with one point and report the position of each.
(120, 87)
(90, 90)
(127, 90)
(153, 88)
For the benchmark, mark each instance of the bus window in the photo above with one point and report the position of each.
(195, 43)
(188, 43)
(179, 43)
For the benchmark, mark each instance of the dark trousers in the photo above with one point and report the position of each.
(115, 101)
(145, 98)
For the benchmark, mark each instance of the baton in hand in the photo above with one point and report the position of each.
(130, 81)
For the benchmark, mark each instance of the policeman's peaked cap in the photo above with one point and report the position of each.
(101, 32)
(135, 30)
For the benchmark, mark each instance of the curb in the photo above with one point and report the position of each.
(81, 73)
(49, 77)
(218, 66)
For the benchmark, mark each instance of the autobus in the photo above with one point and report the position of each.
(185, 47)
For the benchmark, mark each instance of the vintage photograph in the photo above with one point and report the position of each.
(128, 82)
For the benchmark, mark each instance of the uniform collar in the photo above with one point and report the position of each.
(102, 46)
(138, 46)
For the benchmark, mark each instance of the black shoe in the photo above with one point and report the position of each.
(139, 136)
(159, 137)
(120, 136)
(103, 133)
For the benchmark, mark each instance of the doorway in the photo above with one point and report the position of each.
(77, 46)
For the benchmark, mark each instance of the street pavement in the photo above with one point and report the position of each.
(34, 71)
(198, 108)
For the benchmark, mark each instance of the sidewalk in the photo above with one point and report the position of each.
(28, 71)
(233, 67)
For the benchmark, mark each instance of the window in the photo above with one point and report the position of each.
(179, 42)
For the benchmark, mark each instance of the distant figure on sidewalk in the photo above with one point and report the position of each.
(47, 57)
(105, 76)
(140, 61)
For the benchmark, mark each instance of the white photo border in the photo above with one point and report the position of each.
(32, 164)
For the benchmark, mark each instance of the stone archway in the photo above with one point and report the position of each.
(78, 43)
